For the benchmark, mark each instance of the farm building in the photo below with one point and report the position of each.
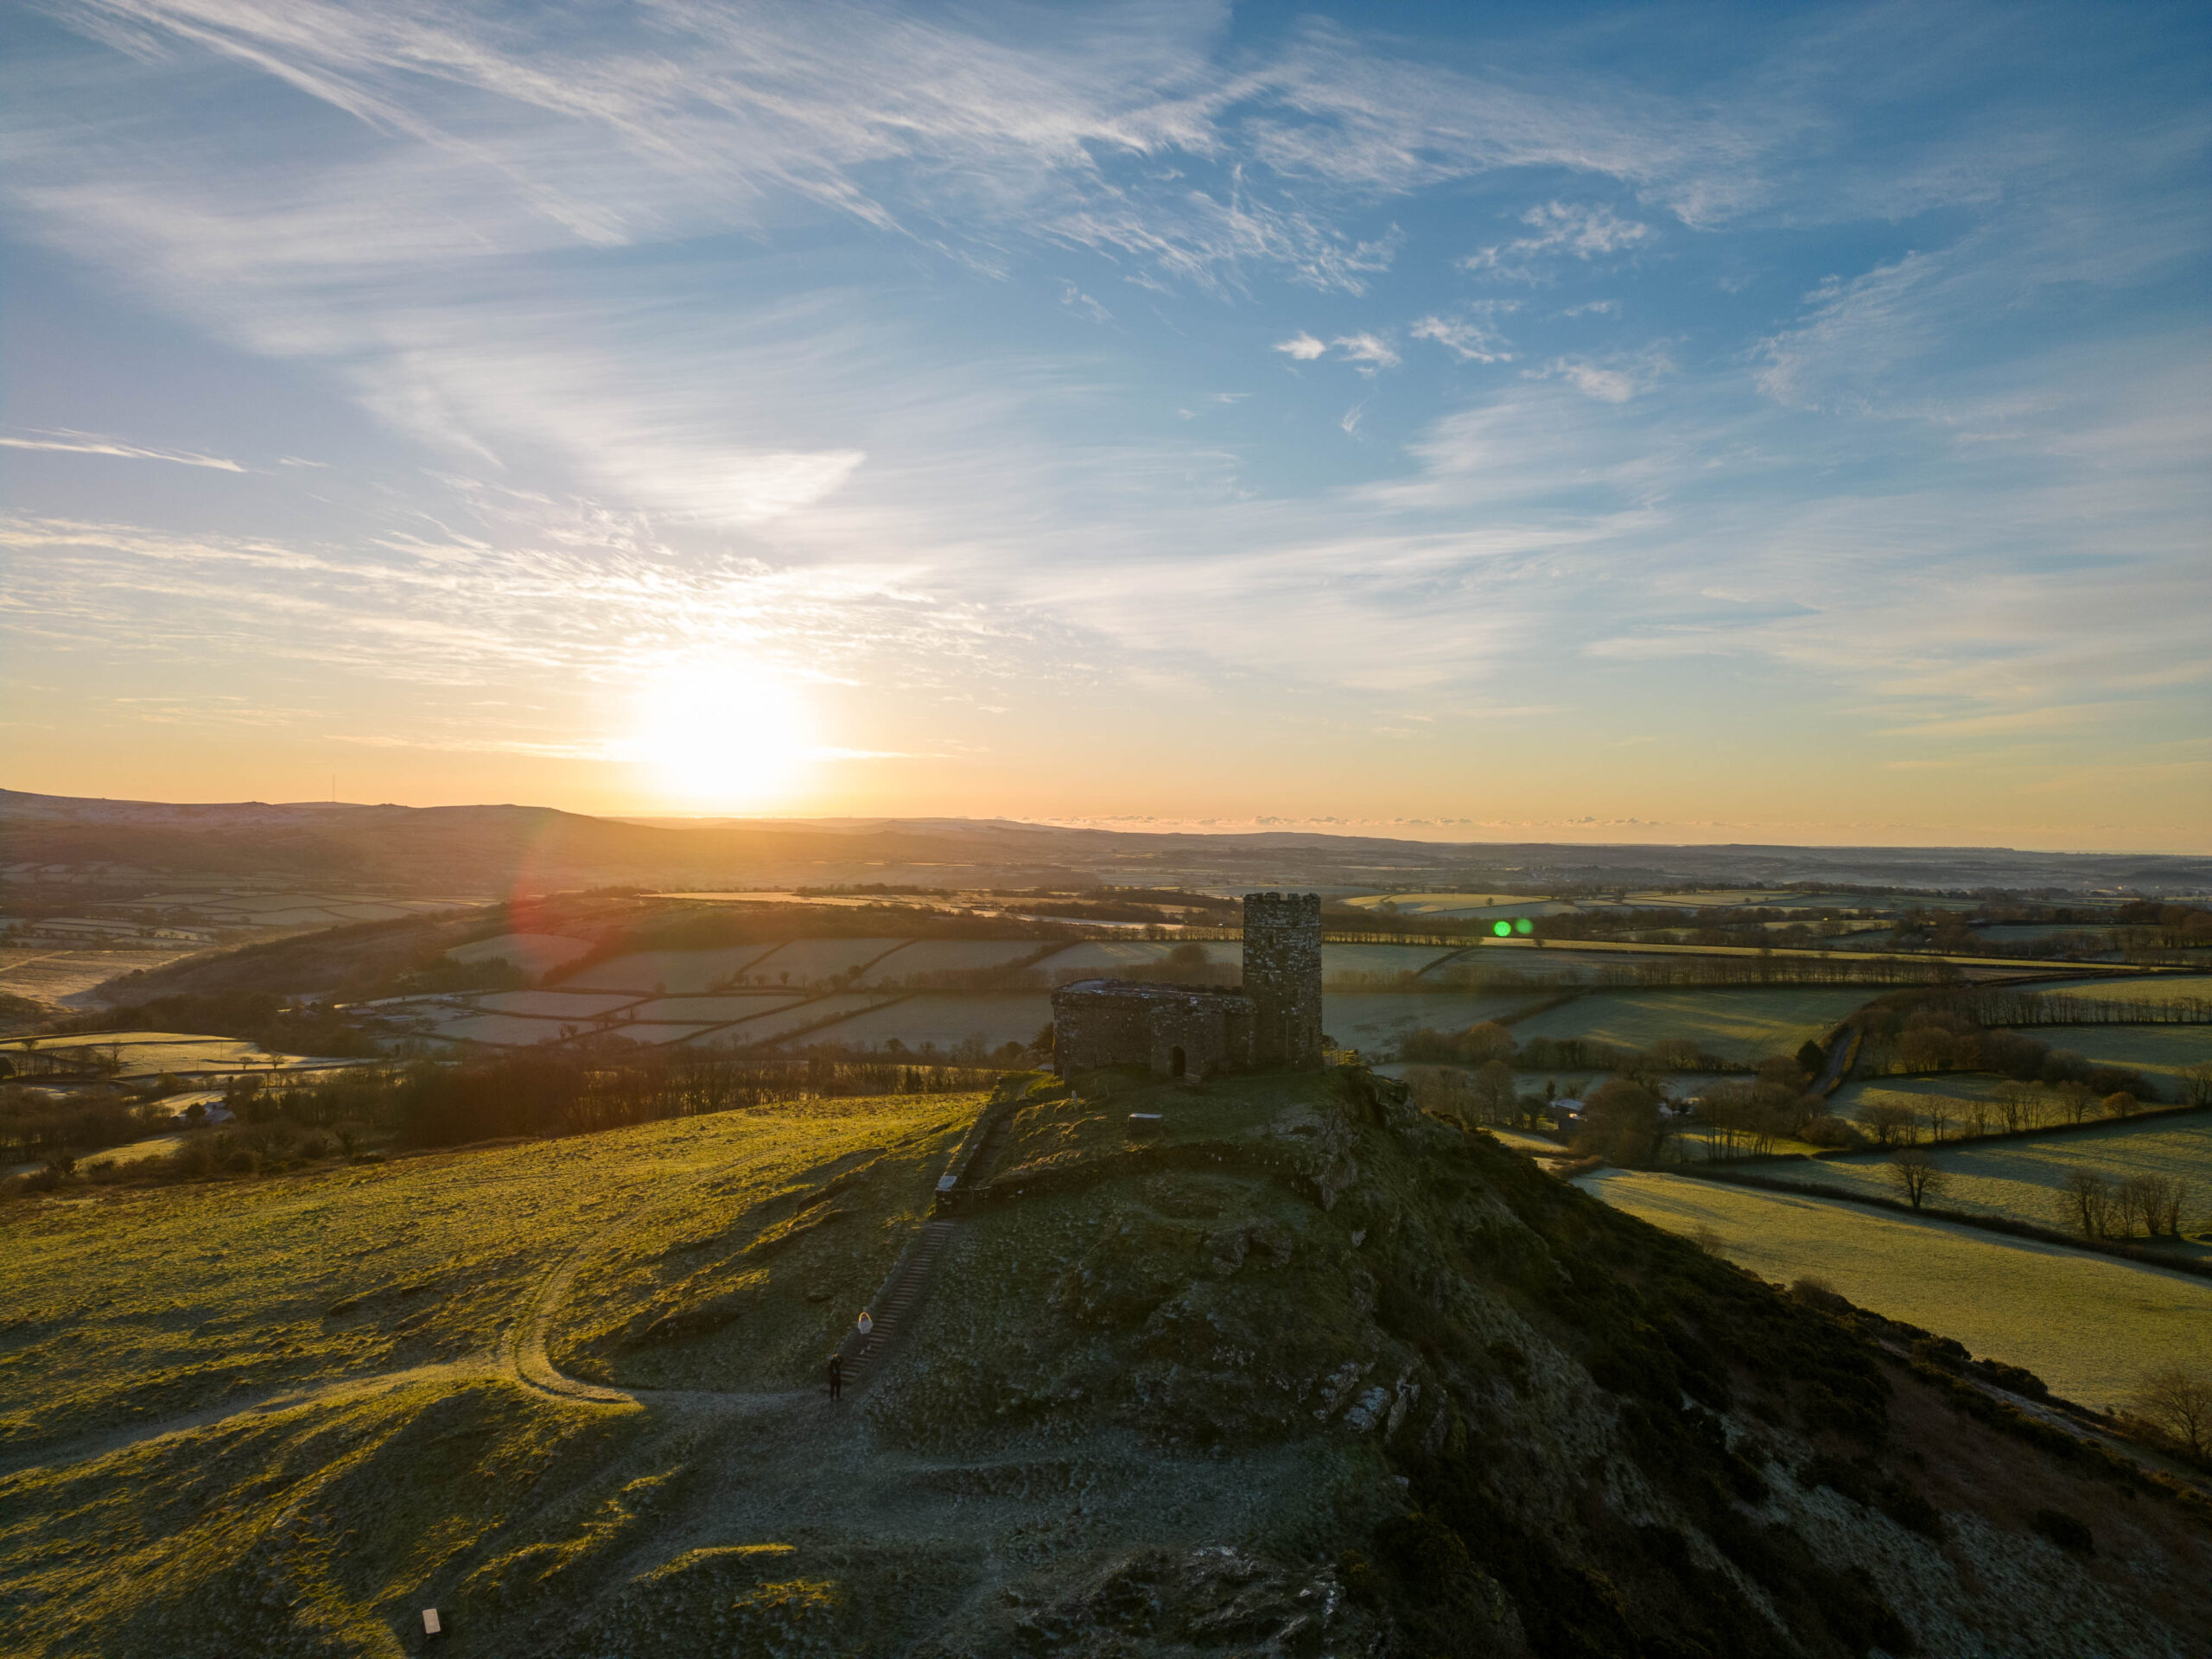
(1274, 1018)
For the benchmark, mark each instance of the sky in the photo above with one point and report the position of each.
(1664, 424)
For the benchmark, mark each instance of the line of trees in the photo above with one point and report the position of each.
(2097, 1208)
(2002, 1007)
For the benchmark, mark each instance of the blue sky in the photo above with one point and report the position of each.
(1669, 423)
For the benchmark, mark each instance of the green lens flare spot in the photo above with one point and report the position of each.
(1503, 929)
(1525, 926)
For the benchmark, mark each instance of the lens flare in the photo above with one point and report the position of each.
(1525, 926)
(1503, 930)
(722, 735)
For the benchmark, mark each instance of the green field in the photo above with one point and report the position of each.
(140, 1054)
(946, 1019)
(2130, 989)
(1741, 1026)
(2163, 1054)
(2089, 1325)
(1375, 1022)
(2025, 1179)
(1949, 1093)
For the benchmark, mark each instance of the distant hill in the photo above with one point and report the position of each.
(497, 849)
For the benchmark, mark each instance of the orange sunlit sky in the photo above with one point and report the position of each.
(1512, 422)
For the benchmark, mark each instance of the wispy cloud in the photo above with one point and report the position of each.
(1367, 353)
(1468, 340)
(90, 443)
(1560, 229)
(1302, 346)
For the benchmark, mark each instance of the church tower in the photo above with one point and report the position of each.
(1282, 976)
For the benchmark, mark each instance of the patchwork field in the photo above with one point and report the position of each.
(1375, 1022)
(146, 1054)
(504, 1030)
(766, 1027)
(685, 973)
(653, 1033)
(711, 1009)
(1381, 958)
(946, 1019)
(2025, 1179)
(1461, 903)
(1742, 1025)
(805, 961)
(2153, 988)
(1949, 1093)
(1105, 957)
(2164, 1054)
(2091, 1326)
(941, 956)
(60, 976)
(534, 953)
(556, 1005)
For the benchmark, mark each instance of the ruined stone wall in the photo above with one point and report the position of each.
(1112, 1022)
(1282, 976)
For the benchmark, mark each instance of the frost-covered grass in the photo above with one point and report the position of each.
(2164, 1054)
(1376, 1021)
(947, 1018)
(1744, 1025)
(939, 956)
(2125, 989)
(149, 1053)
(2025, 1179)
(807, 960)
(2089, 1325)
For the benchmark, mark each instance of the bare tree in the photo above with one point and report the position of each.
(2119, 1103)
(2014, 1110)
(1939, 1111)
(1893, 1124)
(2179, 1404)
(1917, 1174)
(2156, 1200)
(2197, 1079)
(2075, 1099)
(2088, 1202)
(1495, 1089)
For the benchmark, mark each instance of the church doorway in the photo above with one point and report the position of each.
(1177, 1065)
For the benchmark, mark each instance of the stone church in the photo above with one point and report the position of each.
(1273, 1019)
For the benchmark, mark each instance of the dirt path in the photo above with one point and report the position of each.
(519, 1355)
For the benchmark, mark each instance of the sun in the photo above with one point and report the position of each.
(721, 733)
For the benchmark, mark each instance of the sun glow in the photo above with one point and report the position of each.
(722, 735)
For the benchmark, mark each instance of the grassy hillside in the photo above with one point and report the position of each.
(1297, 1372)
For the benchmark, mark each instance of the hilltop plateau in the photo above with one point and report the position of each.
(1296, 1370)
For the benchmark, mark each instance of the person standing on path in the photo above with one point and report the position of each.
(836, 1376)
(864, 1324)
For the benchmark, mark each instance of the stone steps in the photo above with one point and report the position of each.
(907, 1294)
